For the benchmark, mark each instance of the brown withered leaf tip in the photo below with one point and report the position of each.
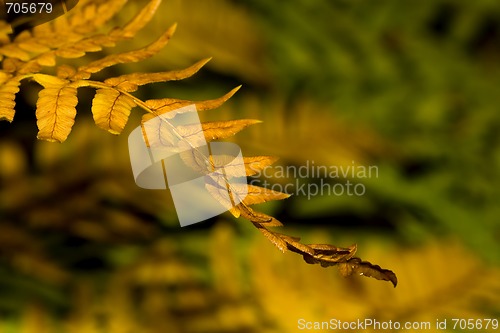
(73, 35)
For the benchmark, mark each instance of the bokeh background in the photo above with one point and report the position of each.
(412, 87)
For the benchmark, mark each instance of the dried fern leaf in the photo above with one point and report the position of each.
(324, 254)
(94, 15)
(131, 56)
(251, 164)
(258, 195)
(160, 106)
(111, 110)
(68, 33)
(356, 266)
(225, 129)
(260, 220)
(9, 87)
(131, 82)
(163, 132)
(273, 238)
(294, 245)
(157, 133)
(218, 187)
(331, 254)
(151, 123)
(55, 108)
(197, 161)
(79, 47)
(211, 131)
(254, 165)
(272, 222)
(85, 18)
(139, 21)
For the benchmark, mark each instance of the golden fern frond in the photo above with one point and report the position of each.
(257, 194)
(210, 130)
(68, 37)
(8, 90)
(111, 109)
(223, 129)
(126, 57)
(323, 254)
(26, 56)
(160, 106)
(56, 107)
(131, 82)
(87, 17)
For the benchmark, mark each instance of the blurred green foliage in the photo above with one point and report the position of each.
(425, 75)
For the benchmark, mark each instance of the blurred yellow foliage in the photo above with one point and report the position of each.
(259, 290)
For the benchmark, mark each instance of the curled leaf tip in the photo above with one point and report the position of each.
(230, 93)
(172, 28)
